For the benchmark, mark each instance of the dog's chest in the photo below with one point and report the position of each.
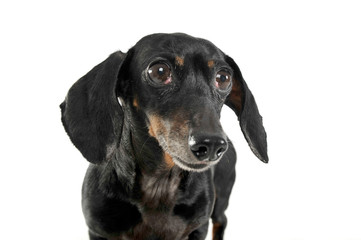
(164, 214)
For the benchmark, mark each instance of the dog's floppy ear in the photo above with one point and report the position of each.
(91, 114)
(242, 102)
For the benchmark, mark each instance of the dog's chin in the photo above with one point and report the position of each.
(194, 166)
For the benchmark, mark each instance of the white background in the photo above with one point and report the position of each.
(301, 59)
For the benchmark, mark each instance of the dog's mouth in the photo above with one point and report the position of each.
(196, 167)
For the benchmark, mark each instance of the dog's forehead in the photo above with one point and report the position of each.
(175, 45)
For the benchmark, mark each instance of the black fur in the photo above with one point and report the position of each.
(143, 138)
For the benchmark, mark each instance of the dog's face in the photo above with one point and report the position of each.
(178, 85)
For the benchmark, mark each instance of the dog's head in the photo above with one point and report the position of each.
(178, 85)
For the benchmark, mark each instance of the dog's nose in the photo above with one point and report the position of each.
(209, 148)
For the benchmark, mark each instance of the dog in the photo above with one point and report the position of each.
(148, 121)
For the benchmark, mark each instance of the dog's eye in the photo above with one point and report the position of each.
(223, 80)
(160, 73)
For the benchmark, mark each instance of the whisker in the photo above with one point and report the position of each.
(141, 149)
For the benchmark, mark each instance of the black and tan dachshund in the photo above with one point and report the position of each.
(148, 121)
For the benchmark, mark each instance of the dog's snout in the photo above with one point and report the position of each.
(208, 148)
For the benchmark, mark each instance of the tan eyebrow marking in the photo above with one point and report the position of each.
(179, 61)
(210, 63)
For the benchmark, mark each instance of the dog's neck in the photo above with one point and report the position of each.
(159, 190)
